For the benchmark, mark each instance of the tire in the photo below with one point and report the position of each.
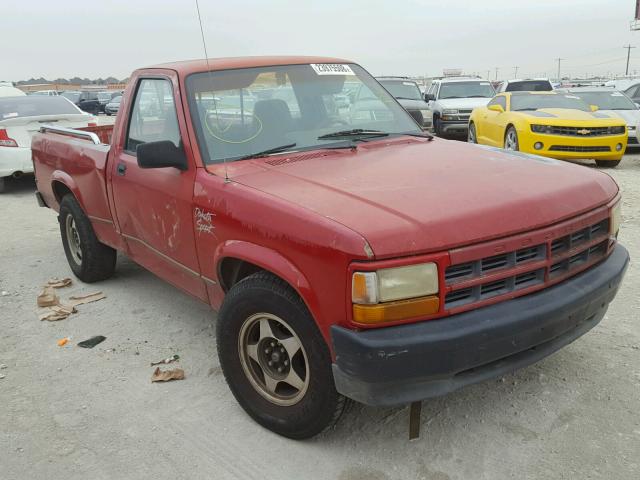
(608, 163)
(471, 136)
(511, 140)
(245, 348)
(2, 184)
(90, 260)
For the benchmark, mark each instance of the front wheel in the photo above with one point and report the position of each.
(437, 126)
(90, 260)
(2, 184)
(608, 163)
(471, 137)
(511, 140)
(275, 360)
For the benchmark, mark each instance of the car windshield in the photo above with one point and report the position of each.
(243, 112)
(35, 105)
(466, 90)
(73, 96)
(534, 101)
(607, 100)
(529, 86)
(104, 96)
(401, 89)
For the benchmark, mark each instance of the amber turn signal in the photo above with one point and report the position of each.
(392, 311)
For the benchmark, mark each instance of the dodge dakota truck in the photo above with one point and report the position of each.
(348, 256)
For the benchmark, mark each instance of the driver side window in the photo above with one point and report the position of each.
(153, 117)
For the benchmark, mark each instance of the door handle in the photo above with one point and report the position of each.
(122, 169)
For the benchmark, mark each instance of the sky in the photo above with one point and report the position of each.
(100, 38)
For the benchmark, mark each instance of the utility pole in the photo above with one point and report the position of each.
(515, 73)
(559, 60)
(628, 47)
(497, 73)
(488, 74)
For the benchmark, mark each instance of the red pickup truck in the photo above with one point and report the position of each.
(349, 253)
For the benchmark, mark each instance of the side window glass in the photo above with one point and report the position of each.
(153, 117)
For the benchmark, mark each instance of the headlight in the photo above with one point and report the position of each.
(616, 219)
(450, 111)
(426, 113)
(541, 128)
(391, 294)
(617, 130)
(631, 127)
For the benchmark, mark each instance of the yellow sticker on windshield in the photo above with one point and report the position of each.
(332, 69)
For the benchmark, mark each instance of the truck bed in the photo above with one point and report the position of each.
(75, 160)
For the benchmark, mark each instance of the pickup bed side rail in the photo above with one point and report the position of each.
(71, 132)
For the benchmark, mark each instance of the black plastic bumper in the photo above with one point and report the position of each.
(407, 363)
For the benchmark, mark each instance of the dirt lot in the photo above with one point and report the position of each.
(72, 413)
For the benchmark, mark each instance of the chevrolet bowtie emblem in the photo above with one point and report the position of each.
(584, 131)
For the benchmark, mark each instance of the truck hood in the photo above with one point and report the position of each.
(407, 196)
(463, 103)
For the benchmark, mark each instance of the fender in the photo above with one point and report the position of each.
(66, 180)
(271, 261)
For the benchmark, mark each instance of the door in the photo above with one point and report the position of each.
(154, 205)
(491, 123)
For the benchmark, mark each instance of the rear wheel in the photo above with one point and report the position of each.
(275, 360)
(90, 260)
(511, 140)
(608, 163)
(471, 137)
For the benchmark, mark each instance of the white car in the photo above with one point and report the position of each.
(525, 85)
(453, 99)
(612, 103)
(7, 90)
(46, 93)
(21, 117)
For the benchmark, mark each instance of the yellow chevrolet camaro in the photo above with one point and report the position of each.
(557, 125)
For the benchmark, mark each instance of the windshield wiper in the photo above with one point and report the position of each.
(269, 151)
(355, 132)
(478, 96)
(525, 109)
(426, 135)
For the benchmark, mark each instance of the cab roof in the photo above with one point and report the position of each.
(187, 67)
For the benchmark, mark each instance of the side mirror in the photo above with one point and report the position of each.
(594, 108)
(496, 108)
(160, 155)
(428, 97)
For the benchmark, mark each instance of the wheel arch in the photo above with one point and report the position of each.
(235, 260)
(62, 184)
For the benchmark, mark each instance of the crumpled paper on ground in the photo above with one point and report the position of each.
(59, 311)
(167, 375)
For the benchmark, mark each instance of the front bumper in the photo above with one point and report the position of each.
(406, 363)
(553, 143)
(15, 159)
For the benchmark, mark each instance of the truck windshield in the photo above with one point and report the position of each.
(34, 106)
(607, 100)
(239, 113)
(466, 90)
(535, 101)
(408, 90)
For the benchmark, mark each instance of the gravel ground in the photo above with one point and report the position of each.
(72, 413)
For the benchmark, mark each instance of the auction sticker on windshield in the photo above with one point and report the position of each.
(332, 69)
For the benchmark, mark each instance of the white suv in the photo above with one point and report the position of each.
(453, 99)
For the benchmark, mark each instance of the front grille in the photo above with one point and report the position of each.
(464, 111)
(632, 141)
(571, 148)
(485, 278)
(578, 131)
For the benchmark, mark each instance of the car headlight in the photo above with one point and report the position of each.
(426, 113)
(450, 111)
(631, 127)
(616, 219)
(617, 130)
(541, 128)
(391, 294)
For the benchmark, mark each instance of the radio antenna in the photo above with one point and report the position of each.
(206, 58)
